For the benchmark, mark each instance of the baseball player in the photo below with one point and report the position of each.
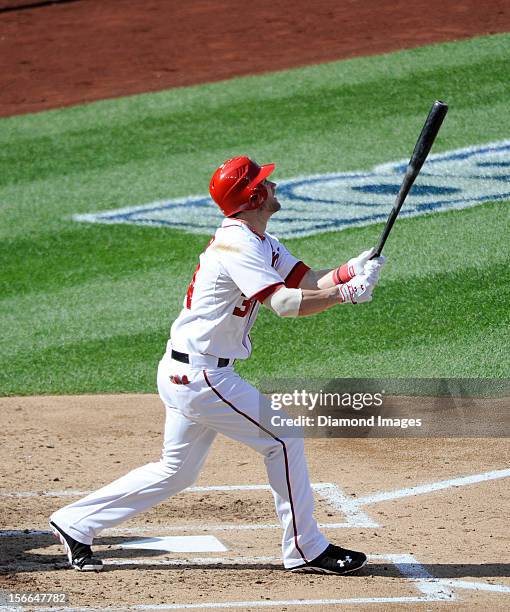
(242, 267)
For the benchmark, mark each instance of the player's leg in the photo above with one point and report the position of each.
(185, 448)
(234, 410)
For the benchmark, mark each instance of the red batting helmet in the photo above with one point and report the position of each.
(235, 186)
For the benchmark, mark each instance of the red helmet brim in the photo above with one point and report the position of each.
(265, 171)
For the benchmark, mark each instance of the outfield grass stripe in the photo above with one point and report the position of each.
(408, 311)
(417, 311)
(47, 206)
(89, 311)
(446, 357)
(432, 244)
(128, 362)
(106, 113)
(33, 264)
(181, 132)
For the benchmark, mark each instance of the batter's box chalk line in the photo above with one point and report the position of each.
(351, 508)
(331, 493)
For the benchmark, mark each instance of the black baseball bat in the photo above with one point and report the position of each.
(421, 150)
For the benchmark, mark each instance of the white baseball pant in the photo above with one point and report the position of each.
(215, 400)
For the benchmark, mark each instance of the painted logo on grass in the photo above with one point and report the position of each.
(313, 204)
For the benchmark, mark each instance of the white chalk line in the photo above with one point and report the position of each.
(344, 504)
(431, 487)
(244, 604)
(201, 489)
(67, 493)
(330, 492)
(162, 529)
(474, 586)
(432, 589)
(438, 588)
(198, 561)
(409, 567)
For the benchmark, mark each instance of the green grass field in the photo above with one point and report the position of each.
(87, 308)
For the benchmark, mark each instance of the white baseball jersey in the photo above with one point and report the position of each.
(238, 270)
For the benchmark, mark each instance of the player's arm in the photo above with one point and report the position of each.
(324, 279)
(314, 301)
(317, 279)
(286, 302)
(289, 302)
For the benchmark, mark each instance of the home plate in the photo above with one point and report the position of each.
(205, 543)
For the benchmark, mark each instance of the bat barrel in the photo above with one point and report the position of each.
(428, 134)
(421, 150)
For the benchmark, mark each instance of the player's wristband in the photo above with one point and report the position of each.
(343, 274)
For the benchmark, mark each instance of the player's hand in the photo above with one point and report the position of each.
(358, 289)
(356, 265)
(373, 266)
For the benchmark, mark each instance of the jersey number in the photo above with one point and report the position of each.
(191, 286)
(242, 311)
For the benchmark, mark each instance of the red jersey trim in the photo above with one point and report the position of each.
(263, 294)
(295, 276)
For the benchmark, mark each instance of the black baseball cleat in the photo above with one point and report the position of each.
(334, 560)
(80, 555)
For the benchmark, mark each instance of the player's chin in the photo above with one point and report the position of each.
(272, 206)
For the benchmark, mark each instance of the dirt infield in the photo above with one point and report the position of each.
(456, 531)
(70, 53)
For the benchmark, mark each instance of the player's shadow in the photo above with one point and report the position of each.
(468, 570)
(439, 570)
(24, 552)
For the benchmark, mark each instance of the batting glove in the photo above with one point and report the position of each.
(358, 290)
(373, 268)
(353, 267)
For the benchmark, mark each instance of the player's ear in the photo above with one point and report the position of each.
(256, 199)
(258, 196)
